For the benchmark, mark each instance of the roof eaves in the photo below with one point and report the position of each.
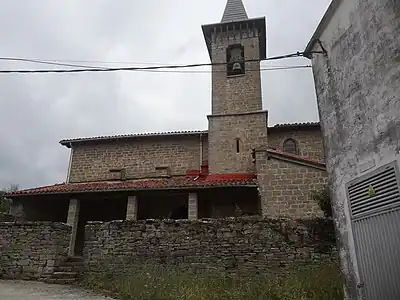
(297, 159)
(323, 23)
(68, 142)
(250, 183)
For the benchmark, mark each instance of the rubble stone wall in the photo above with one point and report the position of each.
(223, 246)
(30, 250)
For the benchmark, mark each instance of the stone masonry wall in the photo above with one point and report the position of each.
(32, 249)
(223, 246)
(140, 157)
(6, 217)
(223, 131)
(241, 93)
(358, 94)
(309, 142)
(289, 188)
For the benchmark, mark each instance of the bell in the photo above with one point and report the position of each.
(236, 66)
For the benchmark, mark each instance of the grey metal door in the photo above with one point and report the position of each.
(374, 201)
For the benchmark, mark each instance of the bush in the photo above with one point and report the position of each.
(145, 282)
(322, 197)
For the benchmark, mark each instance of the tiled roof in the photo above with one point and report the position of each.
(297, 157)
(295, 125)
(67, 142)
(179, 182)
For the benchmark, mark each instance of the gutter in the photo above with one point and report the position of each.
(201, 151)
(70, 163)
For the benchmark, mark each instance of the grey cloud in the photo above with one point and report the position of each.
(39, 110)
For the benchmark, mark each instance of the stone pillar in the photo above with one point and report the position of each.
(192, 207)
(263, 182)
(132, 208)
(73, 219)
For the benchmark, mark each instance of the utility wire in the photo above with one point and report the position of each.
(224, 71)
(45, 62)
(102, 69)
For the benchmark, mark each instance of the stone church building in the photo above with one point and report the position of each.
(239, 166)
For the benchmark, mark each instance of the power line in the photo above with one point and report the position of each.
(102, 69)
(45, 62)
(224, 71)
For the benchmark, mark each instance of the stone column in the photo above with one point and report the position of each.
(132, 208)
(263, 182)
(192, 207)
(73, 219)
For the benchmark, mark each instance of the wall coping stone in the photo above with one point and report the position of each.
(39, 223)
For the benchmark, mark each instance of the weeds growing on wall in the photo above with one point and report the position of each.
(322, 197)
(145, 282)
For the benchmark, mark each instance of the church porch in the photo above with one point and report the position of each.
(185, 198)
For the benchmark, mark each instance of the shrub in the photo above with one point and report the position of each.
(322, 197)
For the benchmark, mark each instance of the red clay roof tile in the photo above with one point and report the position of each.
(179, 182)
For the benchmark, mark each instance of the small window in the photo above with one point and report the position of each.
(235, 60)
(237, 145)
(290, 146)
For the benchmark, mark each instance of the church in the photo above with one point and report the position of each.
(239, 166)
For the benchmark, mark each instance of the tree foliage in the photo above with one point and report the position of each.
(322, 197)
(4, 202)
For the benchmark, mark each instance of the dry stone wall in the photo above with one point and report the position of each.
(31, 250)
(224, 246)
(6, 217)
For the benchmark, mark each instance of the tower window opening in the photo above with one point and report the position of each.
(237, 145)
(235, 60)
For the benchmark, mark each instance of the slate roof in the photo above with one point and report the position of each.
(178, 182)
(234, 12)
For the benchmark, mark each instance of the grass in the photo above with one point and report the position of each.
(145, 282)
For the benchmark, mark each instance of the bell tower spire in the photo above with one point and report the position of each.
(237, 123)
(234, 11)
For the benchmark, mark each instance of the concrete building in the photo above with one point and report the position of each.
(239, 166)
(358, 90)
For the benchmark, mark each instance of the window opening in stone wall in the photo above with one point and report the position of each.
(235, 60)
(237, 145)
(290, 146)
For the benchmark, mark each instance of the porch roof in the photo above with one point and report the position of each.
(177, 182)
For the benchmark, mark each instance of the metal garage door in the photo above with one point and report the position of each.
(374, 202)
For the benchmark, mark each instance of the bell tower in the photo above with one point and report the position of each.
(237, 123)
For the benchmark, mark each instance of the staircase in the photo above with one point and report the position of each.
(68, 272)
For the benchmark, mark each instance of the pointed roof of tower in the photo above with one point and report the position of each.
(234, 11)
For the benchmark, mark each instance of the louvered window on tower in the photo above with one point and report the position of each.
(376, 192)
(235, 60)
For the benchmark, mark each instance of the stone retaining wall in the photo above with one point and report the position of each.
(224, 246)
(31, 250)
(6, 217)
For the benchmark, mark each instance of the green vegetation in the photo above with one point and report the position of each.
(322, 197)
(4, 202)
(147, 282)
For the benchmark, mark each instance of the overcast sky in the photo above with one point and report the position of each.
(38, 110)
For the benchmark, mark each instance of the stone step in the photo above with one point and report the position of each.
(60, 280)
(64, 275)
(69, 268)
(77, 259)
